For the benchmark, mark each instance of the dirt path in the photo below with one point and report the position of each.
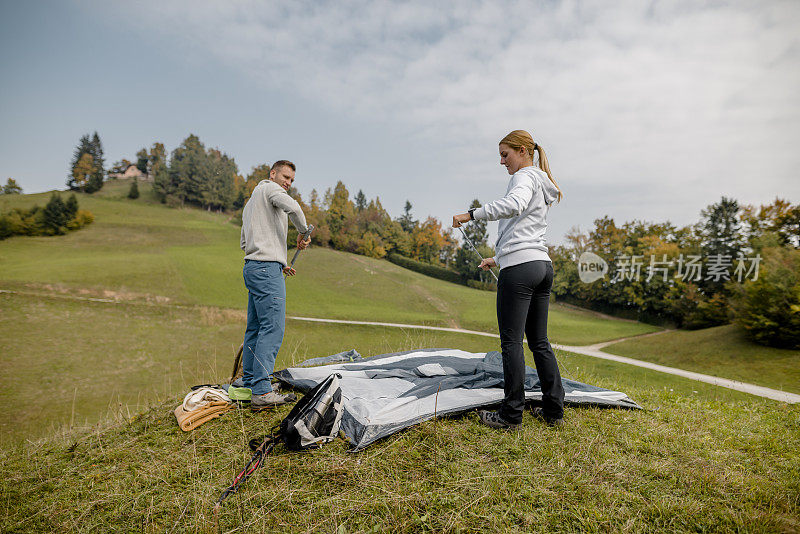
(593, 350)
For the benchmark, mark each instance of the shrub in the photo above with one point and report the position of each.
(81, 219)
(768, 309)
(485, 286)
(51, 220)
(425, 268)
(371, 245)
(133, 192)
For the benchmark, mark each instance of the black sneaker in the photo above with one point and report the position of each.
(539, 414)
(494, 420)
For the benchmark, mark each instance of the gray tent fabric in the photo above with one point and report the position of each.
(390, 392)
(351, 355)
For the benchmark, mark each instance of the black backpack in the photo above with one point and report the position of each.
(315, 419)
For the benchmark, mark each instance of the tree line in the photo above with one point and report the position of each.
(737, 263)
(208, 178)
(718, 270)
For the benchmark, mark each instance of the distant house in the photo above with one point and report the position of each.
(132, 171)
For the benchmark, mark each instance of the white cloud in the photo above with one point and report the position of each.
(675, 103)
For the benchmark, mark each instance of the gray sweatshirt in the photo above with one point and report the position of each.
(265, 222)
(523, 217)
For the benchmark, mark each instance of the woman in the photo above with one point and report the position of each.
(526, 276)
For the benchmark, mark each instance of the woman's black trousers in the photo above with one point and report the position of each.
(523, 297)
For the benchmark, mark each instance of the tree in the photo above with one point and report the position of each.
(407, 221)
(71, 207)
(781, 218)
(361, 200)
(340, 208)
(186, 171)
(133, 192)
(466, 261)
(719, 228)
(94, 181)
(142, 160)
(159, 171)
(84, 147)
(259, 173)
(219, 172)
(96, 150)
(54, 216)
(428, 240)
(768, 309)
(82, 172)
(11, 188)
(476, 230)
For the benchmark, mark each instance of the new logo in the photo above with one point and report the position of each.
(591, 267)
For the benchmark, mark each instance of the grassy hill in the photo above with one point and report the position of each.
(89, 441)
(720, 351)
(688, 463)
(140, 250)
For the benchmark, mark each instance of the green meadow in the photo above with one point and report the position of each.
(720, 351)
(103, 331)
(141, 250)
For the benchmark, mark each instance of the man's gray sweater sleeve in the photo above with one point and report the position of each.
(282, 201)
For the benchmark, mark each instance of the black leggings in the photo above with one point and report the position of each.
(523, 296)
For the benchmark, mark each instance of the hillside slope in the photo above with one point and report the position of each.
(141, 250)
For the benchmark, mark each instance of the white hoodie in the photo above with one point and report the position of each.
(523, 210)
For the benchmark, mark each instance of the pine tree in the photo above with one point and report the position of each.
(54, 216)
(159, 171)
(96, 150)
(71, 207)
(219, 176)
(476, 230)
(407, 221)
(84, 147)
(466, 261)
(133, 192)
(720, 228)
(186, 170)
(361, 200)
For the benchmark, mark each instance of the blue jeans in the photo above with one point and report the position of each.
(266, 318)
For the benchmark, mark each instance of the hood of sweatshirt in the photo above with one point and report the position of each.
(548, 187)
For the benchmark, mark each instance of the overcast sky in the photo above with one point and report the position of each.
(647, 110)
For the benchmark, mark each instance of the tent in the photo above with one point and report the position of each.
(390, 392)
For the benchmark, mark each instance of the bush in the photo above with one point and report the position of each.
(133, 192)
(81, 219)
(768, 309)
(51, 220)
(485, 286)
(425, 268)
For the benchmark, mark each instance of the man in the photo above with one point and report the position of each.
(264, 227)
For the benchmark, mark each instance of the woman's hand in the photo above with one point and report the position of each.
(288, 271)
(487, 264)
(460, 219)
(302, 245)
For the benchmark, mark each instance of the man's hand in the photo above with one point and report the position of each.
(459, 219)
(302, 245)
(487, 264)
(288, 271)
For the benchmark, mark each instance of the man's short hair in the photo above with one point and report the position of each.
(283, 163)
